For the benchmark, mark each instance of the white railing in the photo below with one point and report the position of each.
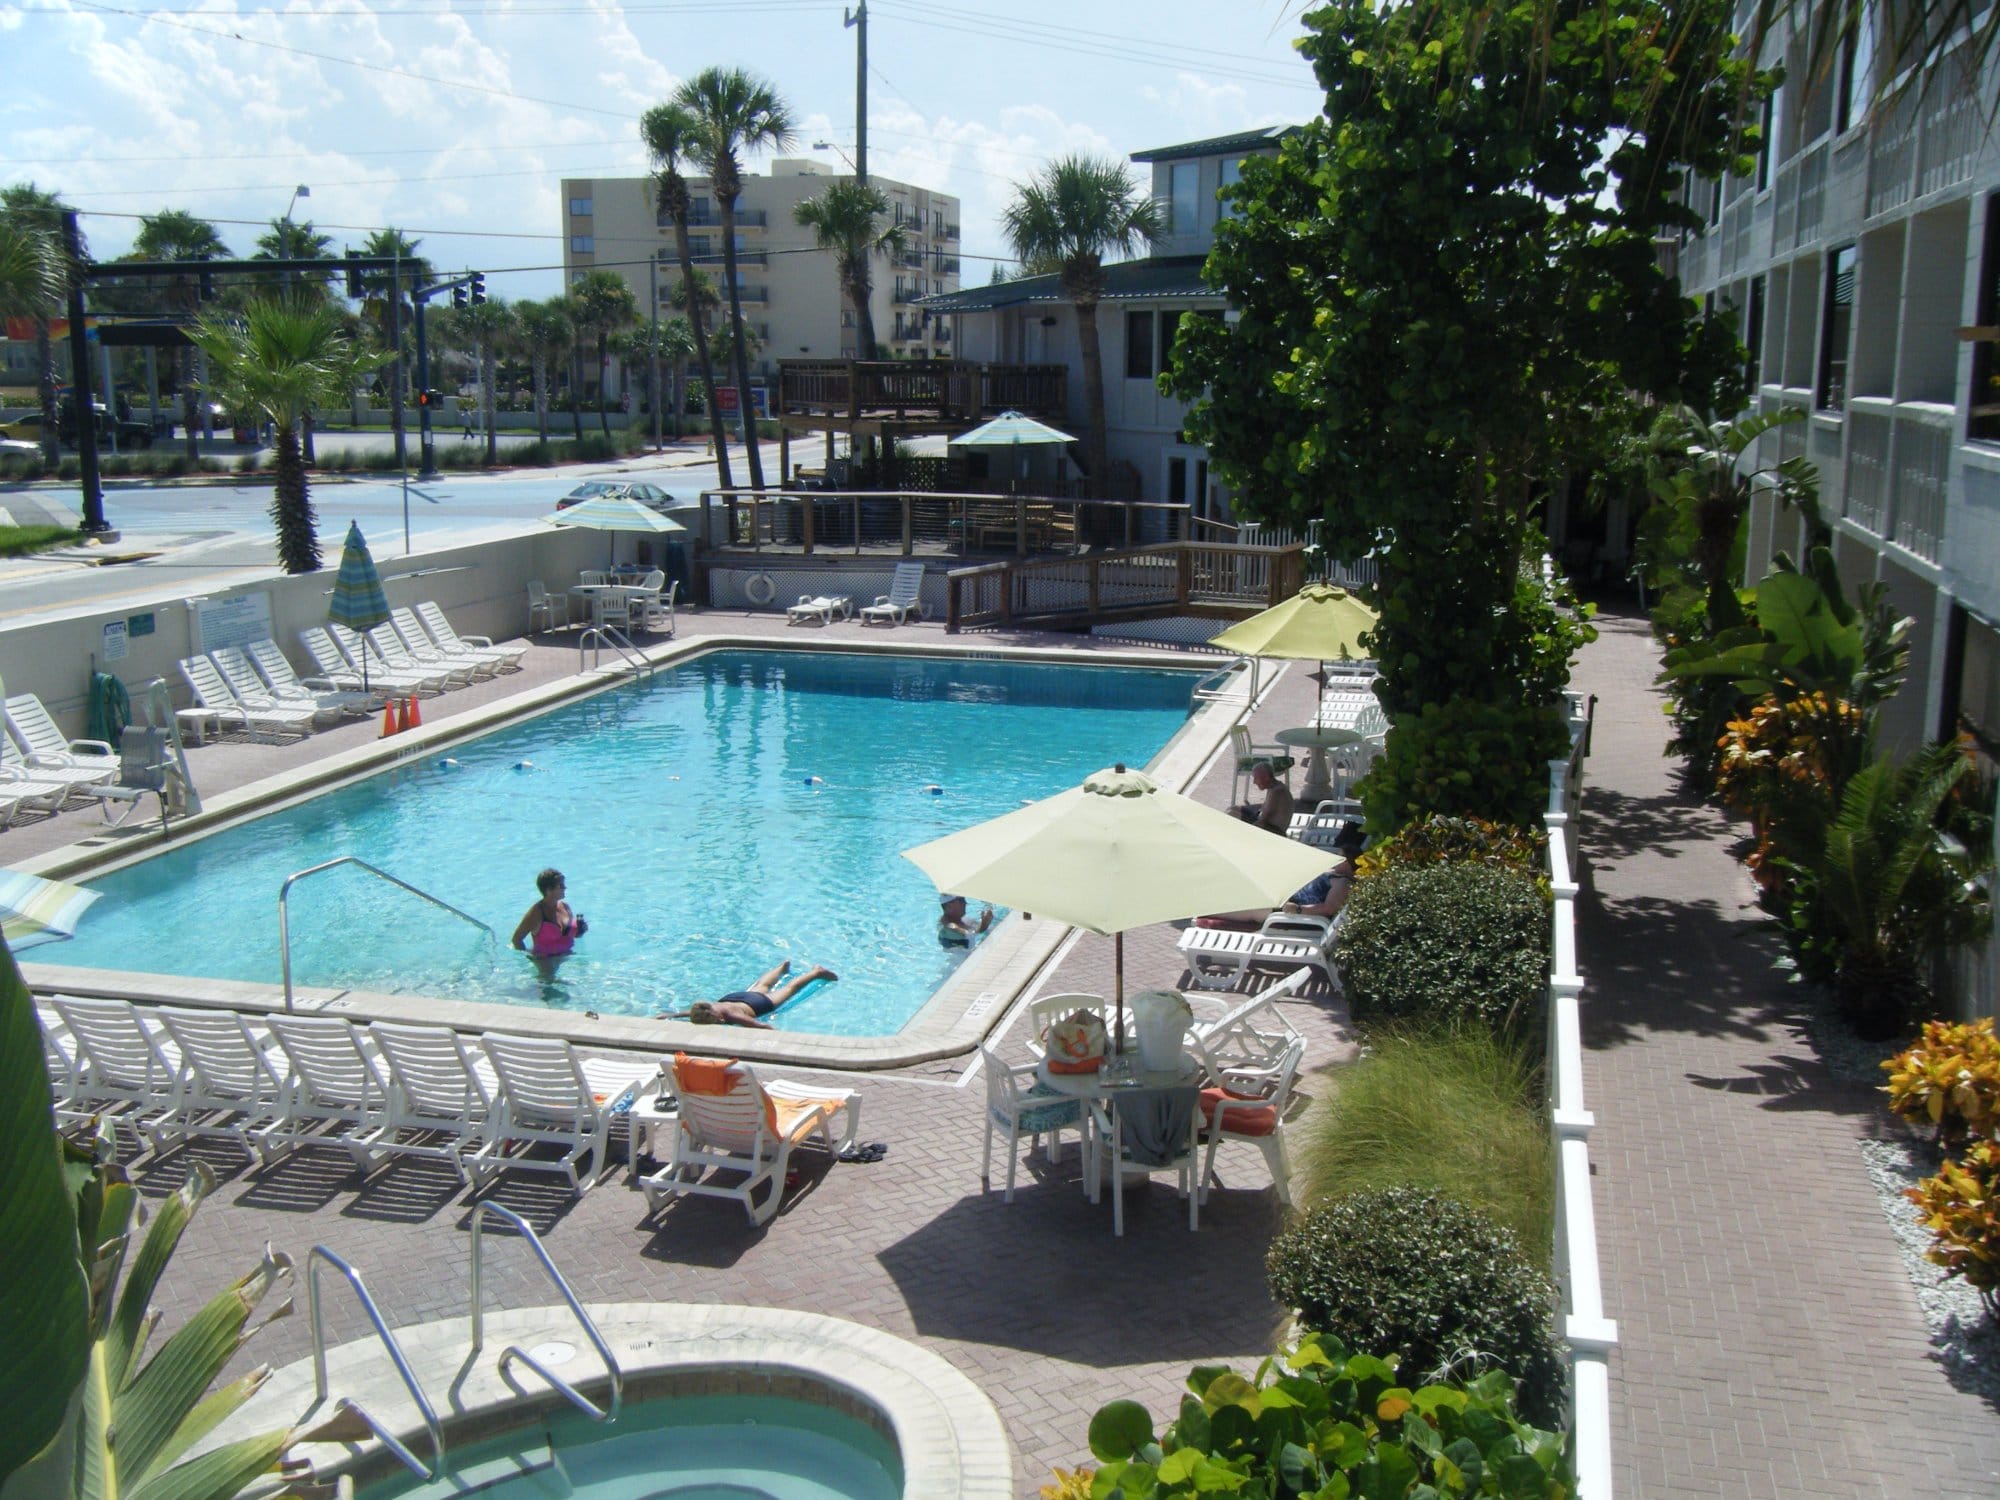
(1812, 195)
(1892, 154)
(1582, 1326)
(1923, 464)
(1954, 126)
(1867, 466)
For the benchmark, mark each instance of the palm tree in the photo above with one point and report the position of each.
(490, 325)
(736, 113)
(604, 306)
(282, 357)
(32, 285)
(389, 309)
(846, 220)
(1079, 209)
(176, 234)
(288, 239)
(543, 328)
(669, 131)
(675, 347)
(27, 207)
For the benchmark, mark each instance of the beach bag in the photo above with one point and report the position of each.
(1075, 1044)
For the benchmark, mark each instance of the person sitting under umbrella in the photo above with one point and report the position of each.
(1274, 813)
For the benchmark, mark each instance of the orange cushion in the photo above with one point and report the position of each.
(705, 1075)
(1260, 1121)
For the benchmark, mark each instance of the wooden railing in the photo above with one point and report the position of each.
(900, 520)
(947, 389)
(1193, 578)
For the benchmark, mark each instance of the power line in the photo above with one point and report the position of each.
(181, 156)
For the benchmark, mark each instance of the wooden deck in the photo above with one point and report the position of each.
(885, 398)
(911, 523)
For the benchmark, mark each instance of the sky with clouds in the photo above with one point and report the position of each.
(457, 120)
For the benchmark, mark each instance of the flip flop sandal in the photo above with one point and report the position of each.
(872, 1151)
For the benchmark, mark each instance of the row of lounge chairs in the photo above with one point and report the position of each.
(483, 1104)
(415, 652)
(42, 770)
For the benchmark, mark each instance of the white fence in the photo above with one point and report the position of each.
(1582, 1326)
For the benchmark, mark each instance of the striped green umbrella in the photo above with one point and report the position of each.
(34, 910)
(1011, 430)
(358, 600)
(614, 513)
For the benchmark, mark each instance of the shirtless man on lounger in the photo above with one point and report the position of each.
(749, 1007)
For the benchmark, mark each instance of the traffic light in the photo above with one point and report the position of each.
(458, 298)
(430, 398)
(478, 288)
(355, 287)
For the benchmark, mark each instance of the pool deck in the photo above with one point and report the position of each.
(1770, 1342)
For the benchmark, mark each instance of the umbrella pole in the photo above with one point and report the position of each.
(1118, 949)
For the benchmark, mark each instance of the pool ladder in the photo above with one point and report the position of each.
(320, 1255)
(595, 639)
(285, 896)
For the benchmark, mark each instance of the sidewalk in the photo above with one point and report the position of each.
(1770, 1343)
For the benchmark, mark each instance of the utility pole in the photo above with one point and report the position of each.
(426, 444)
(653, 282)
(396, 382)
(859, 21)
(81, 396)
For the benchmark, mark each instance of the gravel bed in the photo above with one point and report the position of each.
(1966, 1340)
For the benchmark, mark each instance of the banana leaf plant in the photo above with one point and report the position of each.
(93, 1415)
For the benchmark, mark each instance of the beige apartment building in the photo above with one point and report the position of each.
(792, 301)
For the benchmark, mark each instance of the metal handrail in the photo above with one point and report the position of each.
(1209, 690)
(388, 1439)
(514, 1351)
(600, 636)
(284, 899)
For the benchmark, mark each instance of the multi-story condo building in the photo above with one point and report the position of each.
(792, 300)
(1030, 321)
(1863, 257)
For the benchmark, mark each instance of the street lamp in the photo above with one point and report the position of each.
(301, 191)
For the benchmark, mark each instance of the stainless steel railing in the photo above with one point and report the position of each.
(321, 1255)
(284, 913)
(514, 1351)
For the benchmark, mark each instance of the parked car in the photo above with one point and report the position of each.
(592, 489)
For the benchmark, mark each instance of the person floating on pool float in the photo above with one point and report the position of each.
(550, 929)
(749, 1007)
(953, 929)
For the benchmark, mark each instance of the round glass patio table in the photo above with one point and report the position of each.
(1317, 741)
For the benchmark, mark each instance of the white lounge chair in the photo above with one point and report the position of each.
(551, 1096)
(447, 637)
(731, 1122)
(1019, 1105)
(337, 666)
(119, 1059)
(905, 598)
(25, 794)
(402, 642)
(335, 1094)
(232, 1083)
(820, 607)
(1218, 958)
(35, 745)
(263, 719)
(1241, 1045)
(440, 1093)
(1254, 1117)
(77, 781)
(242, 680)
(376, 647)
(274, 676)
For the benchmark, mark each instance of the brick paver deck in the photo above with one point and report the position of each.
(1769, 1341)
(1770, 1345)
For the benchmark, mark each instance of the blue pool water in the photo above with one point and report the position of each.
(733, 812)
(684, 1448)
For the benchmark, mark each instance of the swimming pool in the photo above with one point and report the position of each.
(687, 1448)
(734, 811)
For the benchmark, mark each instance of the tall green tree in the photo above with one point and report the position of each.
(291, 239)
(544, 333)
(1078, 211)
(1436, 286)
(603, 305)
(650, 349)
(32, 285)
(846, 221)
(669, 132)
(26, 206)
(387, 305)
(738, 115)
(282, 357)
(493, 329)
(176, 234)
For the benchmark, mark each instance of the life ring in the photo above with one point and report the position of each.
(760, 588)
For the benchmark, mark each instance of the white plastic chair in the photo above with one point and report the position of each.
(731, 1122)
(334, 1082)
(550, 1096)
(447, 637)
(1019, 1105)
(1246, 755)
(285, 685)
(338, 663)
(262, 719)
(230, 1083)
(404, 629)
(43, 740)
(542, 606)
(1256, 1118)
(119, 1059)
(905, 598)
(82, 781)
(1112, 1126)
(440, 1091)
(242, 680)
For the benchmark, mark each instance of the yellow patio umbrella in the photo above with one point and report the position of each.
(1321, 622)
(1119, 852)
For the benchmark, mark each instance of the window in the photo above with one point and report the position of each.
(1836, 327)
(700, 247)
(847, 317)
(1170, 328)
(581, 207)
(1984, 421)
(1138, 346)
(583, 244)
(1232, 173)
(1753, 334)
(1857, 69)
(698, 211)
(1183, 181)
(1767, 128)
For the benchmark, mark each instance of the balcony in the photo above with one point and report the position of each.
(945, 265)
(946, 391)
(753, 294)
(951, 231)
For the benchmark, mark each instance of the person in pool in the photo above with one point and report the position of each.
(749, 1007)
(549, 931)
(954, 931)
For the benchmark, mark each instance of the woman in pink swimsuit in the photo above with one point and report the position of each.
(550, 929)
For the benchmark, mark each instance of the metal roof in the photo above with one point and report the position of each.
(1158, 276)
(1265, 139)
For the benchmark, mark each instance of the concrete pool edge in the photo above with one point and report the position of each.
(953, 1021)
(951, 1441)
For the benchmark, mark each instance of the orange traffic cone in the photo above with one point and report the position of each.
(388, 718)
(402, 714)
(416, 717)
